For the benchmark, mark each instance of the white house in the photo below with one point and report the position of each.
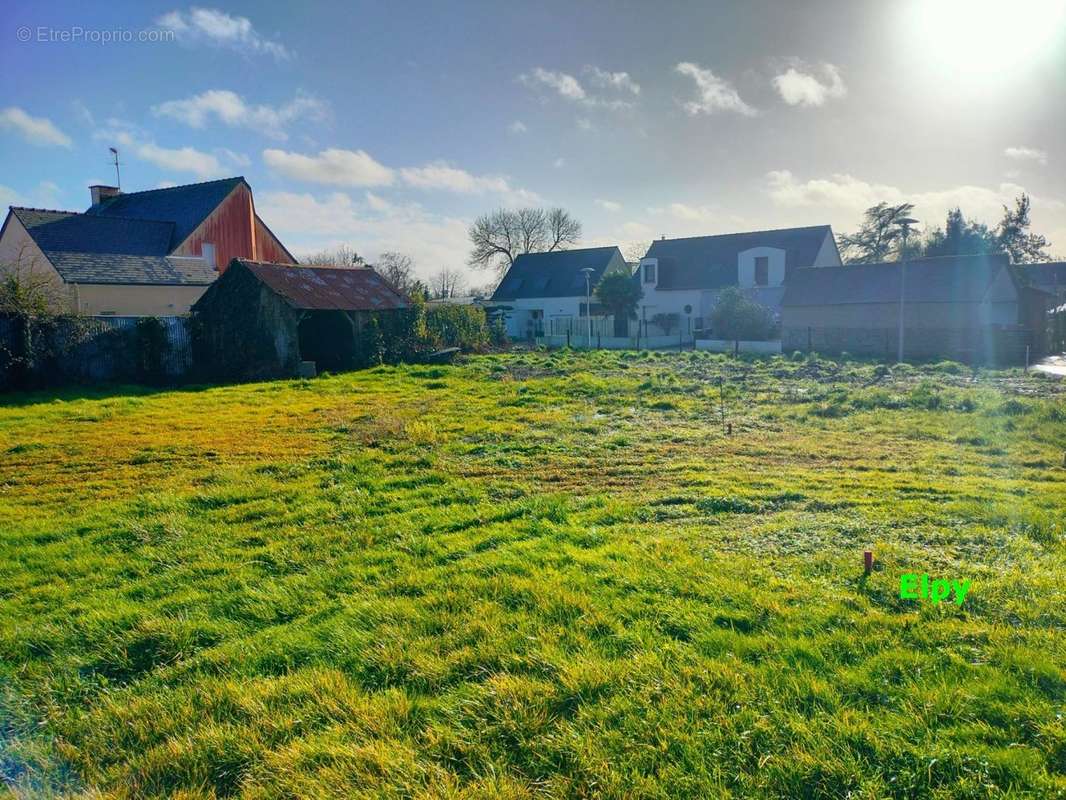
(683, 277)
(545, 293)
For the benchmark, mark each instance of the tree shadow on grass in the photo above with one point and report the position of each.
(100, 391)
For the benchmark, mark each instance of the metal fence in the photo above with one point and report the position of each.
(178, 355)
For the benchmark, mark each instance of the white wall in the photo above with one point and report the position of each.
(519, 319)
(746, 266)
(828, 255)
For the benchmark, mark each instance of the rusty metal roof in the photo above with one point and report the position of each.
(328, 288)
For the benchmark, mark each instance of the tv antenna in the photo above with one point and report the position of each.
(118, 176)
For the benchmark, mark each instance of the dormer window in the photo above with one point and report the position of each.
(649, 273)
(762, 270)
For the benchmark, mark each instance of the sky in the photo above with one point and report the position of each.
(391, 126)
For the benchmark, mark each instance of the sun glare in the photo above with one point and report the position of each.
(989, 37)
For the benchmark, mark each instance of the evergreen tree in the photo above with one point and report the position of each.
(1014, 237)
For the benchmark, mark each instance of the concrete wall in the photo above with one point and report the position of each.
(134, 300)
(930, 316)
(965, 332)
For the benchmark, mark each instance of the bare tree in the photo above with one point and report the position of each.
(340, 256)
(398, 269)
(563, 230)
(498, 238)
(27, 287)
(447, 283)
(635, 251)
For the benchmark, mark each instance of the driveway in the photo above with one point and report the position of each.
(1054, 365)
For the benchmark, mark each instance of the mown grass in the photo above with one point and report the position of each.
(537, 575)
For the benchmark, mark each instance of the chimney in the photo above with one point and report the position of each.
(207, 253)
(99, 193)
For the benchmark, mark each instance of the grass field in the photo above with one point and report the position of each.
(537, 575)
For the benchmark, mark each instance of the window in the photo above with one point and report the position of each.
(649, 273)
(762, 270)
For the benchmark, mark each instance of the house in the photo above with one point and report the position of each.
(682, 278)
(547, 292)
(1049, 277)
(966, 308)
(150, 253)
(261, 320)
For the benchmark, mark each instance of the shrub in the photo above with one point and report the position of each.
(464, 327)
(152, 346)
(736, 317)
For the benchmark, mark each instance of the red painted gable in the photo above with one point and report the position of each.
(235, 232)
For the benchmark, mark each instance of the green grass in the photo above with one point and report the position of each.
(537, 575)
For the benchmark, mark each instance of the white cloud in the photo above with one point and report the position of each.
(307, 224)
(357, 168)
(215, 27)
(570, 88)
(612, 80)
(559, 163)
(609, 205)
(566, 85)
(805, 89)
(585, 124)
(517, 127)
(846, 193)
(134, 140)
(689, 213)
(332, 166)
(39, 131)
(233, 157)
(9, 197)
(231, 109)
(46, 195)
(181, 159)
(439, 175)
(1022, 153)
(85, 116)
(377, 203)
(715, 94)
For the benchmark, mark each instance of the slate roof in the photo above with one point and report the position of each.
(326, 288)
(120, 268)
(556, 274)
(185, 206)
(710, 262)
(67, 231)
(1049, 275)
(947, 279)
(90, 249)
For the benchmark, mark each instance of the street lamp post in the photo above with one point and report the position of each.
(588, 301)
(905, 229)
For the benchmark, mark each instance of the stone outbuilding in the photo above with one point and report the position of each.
(261, 320)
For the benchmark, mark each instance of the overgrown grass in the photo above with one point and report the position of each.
(537, 575)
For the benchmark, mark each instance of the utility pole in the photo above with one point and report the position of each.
(588, 302)
(905, 229)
